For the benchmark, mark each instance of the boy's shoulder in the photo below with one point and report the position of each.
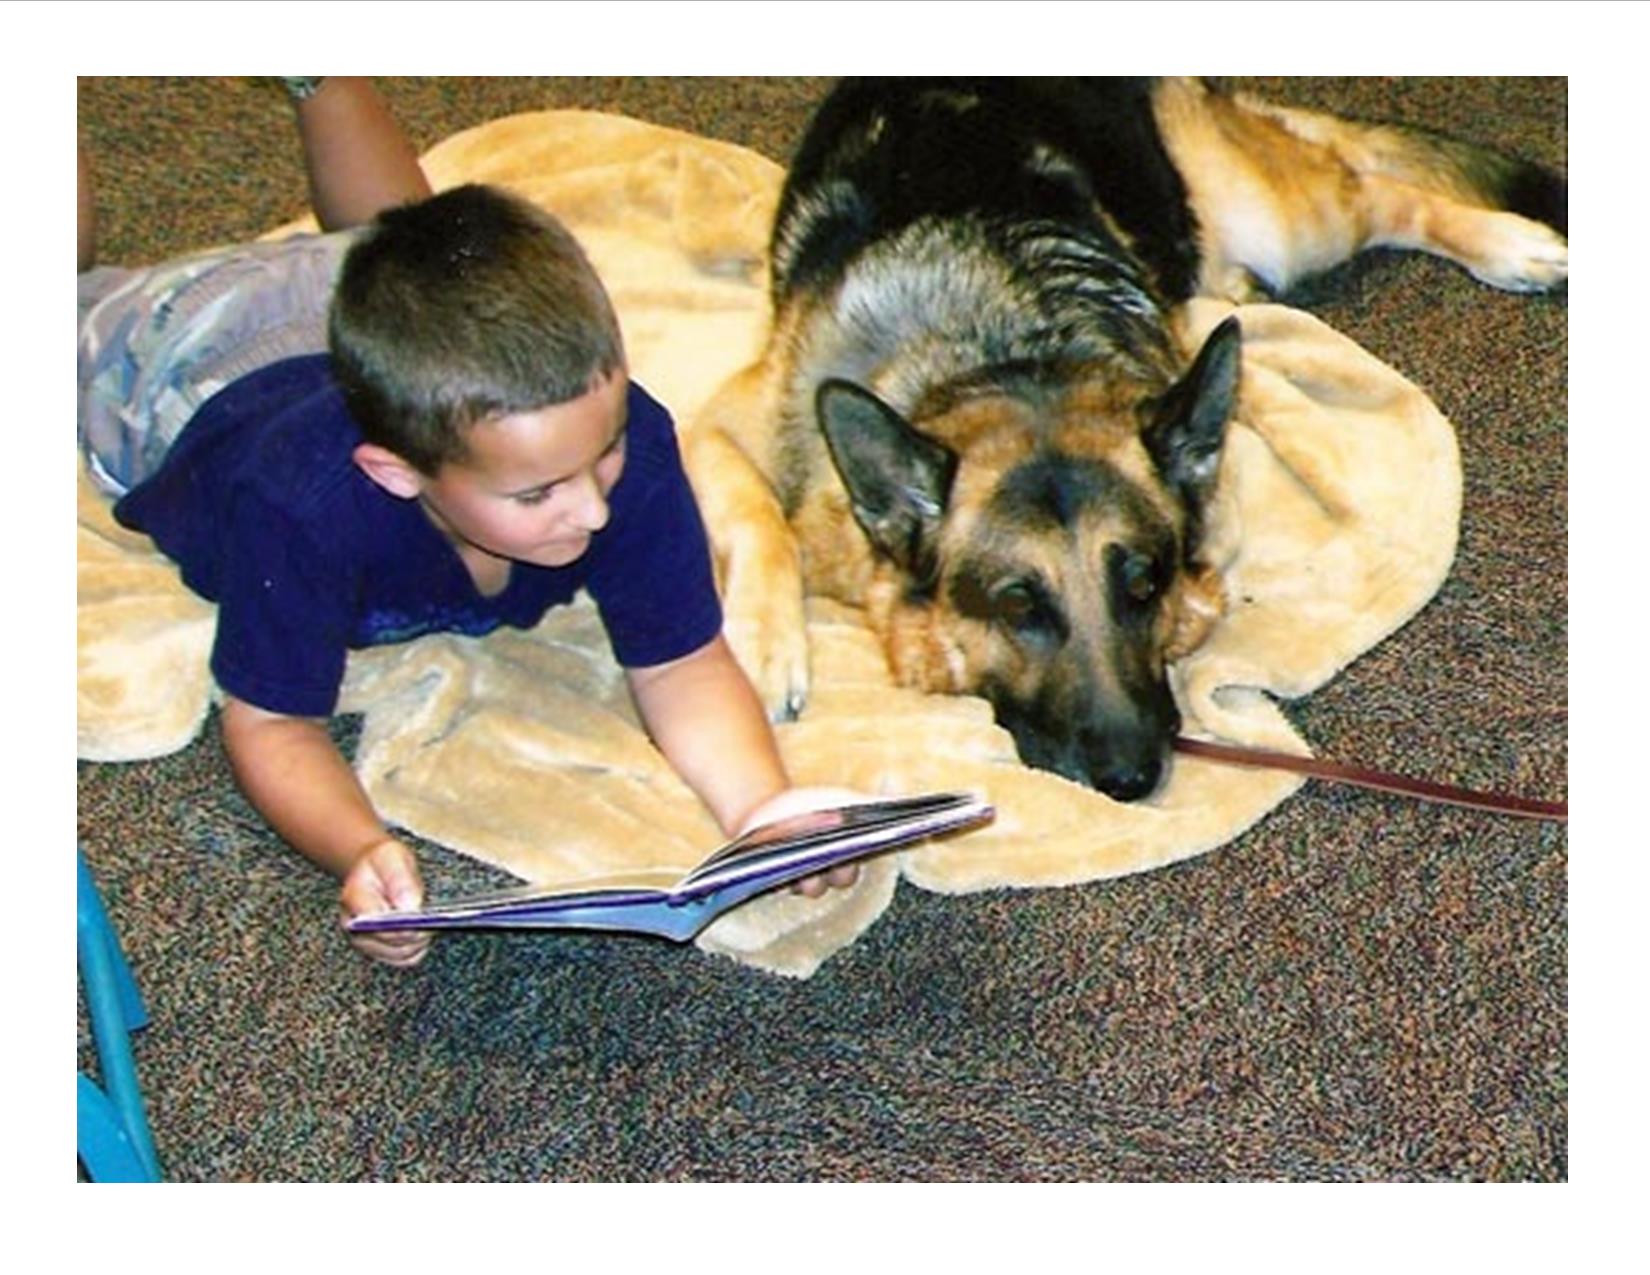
(643, 407)
(650, 432)
(272, 449)
(283, 430)
(295, 431)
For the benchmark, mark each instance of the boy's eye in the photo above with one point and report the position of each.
(535, 497)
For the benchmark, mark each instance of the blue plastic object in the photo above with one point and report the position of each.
(112, 1137)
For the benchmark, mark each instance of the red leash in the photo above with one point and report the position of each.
(1381, 781)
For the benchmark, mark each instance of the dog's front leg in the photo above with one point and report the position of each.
(758, 566)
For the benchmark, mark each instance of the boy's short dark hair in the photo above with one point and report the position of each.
(471, 304)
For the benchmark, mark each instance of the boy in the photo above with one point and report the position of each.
(471, 453)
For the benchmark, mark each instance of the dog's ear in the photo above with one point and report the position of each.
(1187, 426)
(898, 481)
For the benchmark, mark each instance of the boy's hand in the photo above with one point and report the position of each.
(386, 879)
(291, 770)
(797, 801)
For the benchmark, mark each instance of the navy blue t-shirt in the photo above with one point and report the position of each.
(262, 508)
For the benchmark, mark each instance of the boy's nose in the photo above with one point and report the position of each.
(591, 511)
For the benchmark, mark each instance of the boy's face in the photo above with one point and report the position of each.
(534, 486)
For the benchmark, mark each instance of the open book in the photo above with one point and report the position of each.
(677, 907)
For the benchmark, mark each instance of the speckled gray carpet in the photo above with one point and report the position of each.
(1359, 988)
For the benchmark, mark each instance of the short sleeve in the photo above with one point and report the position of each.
(283, 615)
(651, 573)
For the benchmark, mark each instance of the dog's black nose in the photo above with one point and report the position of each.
(1129, 780)
(1128, 762)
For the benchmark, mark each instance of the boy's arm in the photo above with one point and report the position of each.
(705, 717)
(294, 775)
(358, 159)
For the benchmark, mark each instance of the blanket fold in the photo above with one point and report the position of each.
(1337, 521)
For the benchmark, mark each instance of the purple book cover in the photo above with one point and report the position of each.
(761, 860)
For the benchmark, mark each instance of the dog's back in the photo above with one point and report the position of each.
(1203, 186)
(884, 154)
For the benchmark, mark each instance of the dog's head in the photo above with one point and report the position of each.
(1045, 555)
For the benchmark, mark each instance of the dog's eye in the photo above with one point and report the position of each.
(1014, 604)
(1140, 577)
(1025, 610)
(1022, 605)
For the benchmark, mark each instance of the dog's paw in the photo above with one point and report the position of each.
(773, 650)
(764, 619)
(1520, 255)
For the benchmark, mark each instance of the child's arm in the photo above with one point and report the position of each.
(703, 714)
(705, 717)
(358, 159)
(294, 774)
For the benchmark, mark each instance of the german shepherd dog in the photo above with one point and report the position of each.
(971, 416)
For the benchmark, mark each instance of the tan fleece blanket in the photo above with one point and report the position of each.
(1337, 523)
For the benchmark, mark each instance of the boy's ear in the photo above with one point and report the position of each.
(388, 470)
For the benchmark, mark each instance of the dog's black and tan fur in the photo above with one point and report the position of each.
(972, 417)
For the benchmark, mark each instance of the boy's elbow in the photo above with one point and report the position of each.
(240, 717)
(248, 730)
(709, 656)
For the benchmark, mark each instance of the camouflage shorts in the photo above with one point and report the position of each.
(156, 343)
